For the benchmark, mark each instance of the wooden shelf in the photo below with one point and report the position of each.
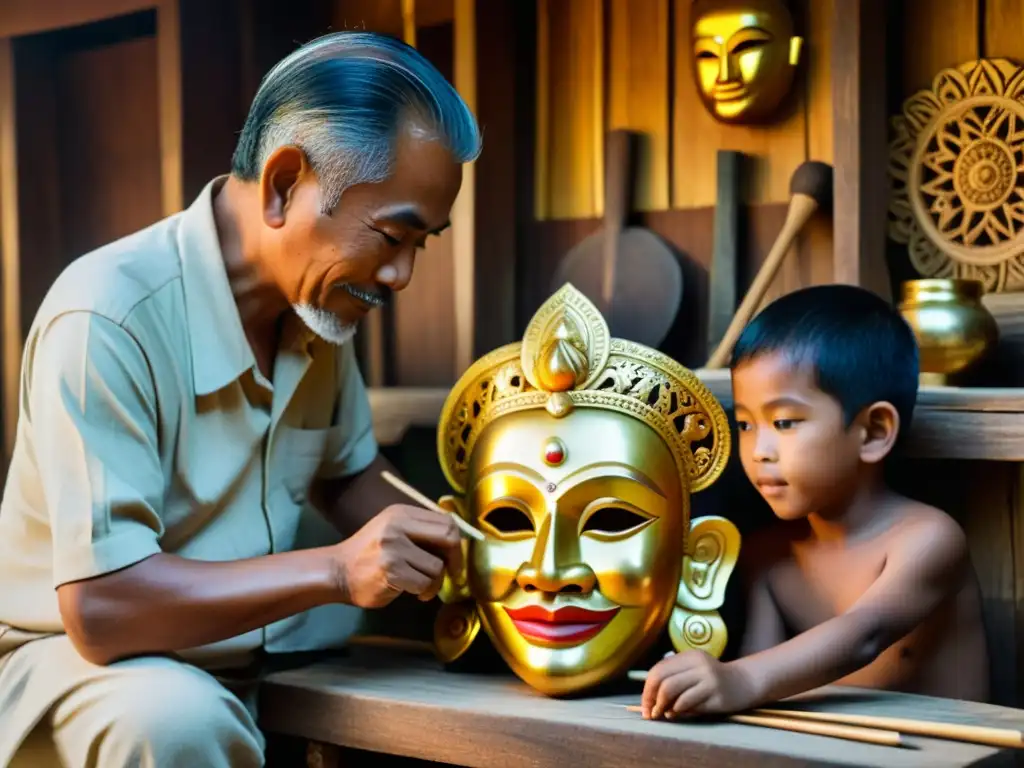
(949, 422)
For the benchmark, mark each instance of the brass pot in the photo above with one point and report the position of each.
(953, 328)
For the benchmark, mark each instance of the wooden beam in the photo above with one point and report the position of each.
(506, 56)
(463, 212)
(25, 17)
(211, 72)
(10, 272)
(860, 144)
(168, 41)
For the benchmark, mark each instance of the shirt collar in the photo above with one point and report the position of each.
(220, 349)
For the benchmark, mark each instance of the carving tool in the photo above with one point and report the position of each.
(419, 498)
(810, 190)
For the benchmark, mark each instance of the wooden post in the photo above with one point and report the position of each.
(168, 41)
(506, 54)
(463, 212)
(10, 273)
(861, 147)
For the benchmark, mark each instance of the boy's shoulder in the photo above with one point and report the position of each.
(919, 529)
(912, 530)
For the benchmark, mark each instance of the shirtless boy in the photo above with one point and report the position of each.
(856, 585)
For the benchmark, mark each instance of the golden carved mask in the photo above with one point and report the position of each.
(576, 453)
(744, 56)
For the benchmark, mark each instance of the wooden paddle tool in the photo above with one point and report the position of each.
(810, 190)
(627, 271)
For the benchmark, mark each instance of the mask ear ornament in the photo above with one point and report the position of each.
(712, 551)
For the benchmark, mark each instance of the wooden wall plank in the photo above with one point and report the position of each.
(1015, 513)
(168, 64)
(212, 87)
(505, 50)
(639, 92)
(385, 16)
(1004, 29)
(813, 265)
(574, 109)
(936, 36)
(860, 144)
(10, 279)
(464, 211)
(817, 54)
(23, 17)
(991, 489)
(542, 113)
(40, 224)
(419, 338)
(109, 142)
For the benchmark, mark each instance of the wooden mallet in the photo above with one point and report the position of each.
(810, 191)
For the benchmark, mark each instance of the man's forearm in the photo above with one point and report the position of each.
(814, 658)
(167, 603)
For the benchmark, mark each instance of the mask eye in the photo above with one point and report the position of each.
(508, 520)
(749, 45)
(612, 521)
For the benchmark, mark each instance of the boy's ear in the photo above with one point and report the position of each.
(881, 426)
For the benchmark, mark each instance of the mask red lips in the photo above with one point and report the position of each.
(568, 625)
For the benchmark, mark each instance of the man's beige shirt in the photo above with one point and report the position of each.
(145, 427)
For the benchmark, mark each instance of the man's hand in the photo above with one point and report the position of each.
(695, 683)
(403, 549)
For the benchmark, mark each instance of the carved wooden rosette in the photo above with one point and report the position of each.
(955, 162)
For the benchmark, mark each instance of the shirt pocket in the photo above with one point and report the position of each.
(303, 453)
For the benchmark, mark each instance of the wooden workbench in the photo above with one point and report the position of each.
(408, 706)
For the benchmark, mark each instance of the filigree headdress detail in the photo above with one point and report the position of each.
(566, 360)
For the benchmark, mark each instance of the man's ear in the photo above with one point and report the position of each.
(881, 427)
(281, 174)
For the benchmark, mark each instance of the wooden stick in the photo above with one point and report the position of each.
(419, 498)
(878, 736)
(975, 734)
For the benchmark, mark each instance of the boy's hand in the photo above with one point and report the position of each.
(693, 683)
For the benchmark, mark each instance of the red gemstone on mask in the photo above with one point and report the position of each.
(554, 453)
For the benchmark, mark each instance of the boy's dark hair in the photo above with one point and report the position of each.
(860, 348)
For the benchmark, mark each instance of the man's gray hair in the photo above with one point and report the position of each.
(342, 99)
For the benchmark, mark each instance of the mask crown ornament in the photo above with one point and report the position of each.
(576, 454)
(745, 55)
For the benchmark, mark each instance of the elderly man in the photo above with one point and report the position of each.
(187, 391)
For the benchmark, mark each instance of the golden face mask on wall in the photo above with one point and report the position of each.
(744, 56)
(576, 454)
